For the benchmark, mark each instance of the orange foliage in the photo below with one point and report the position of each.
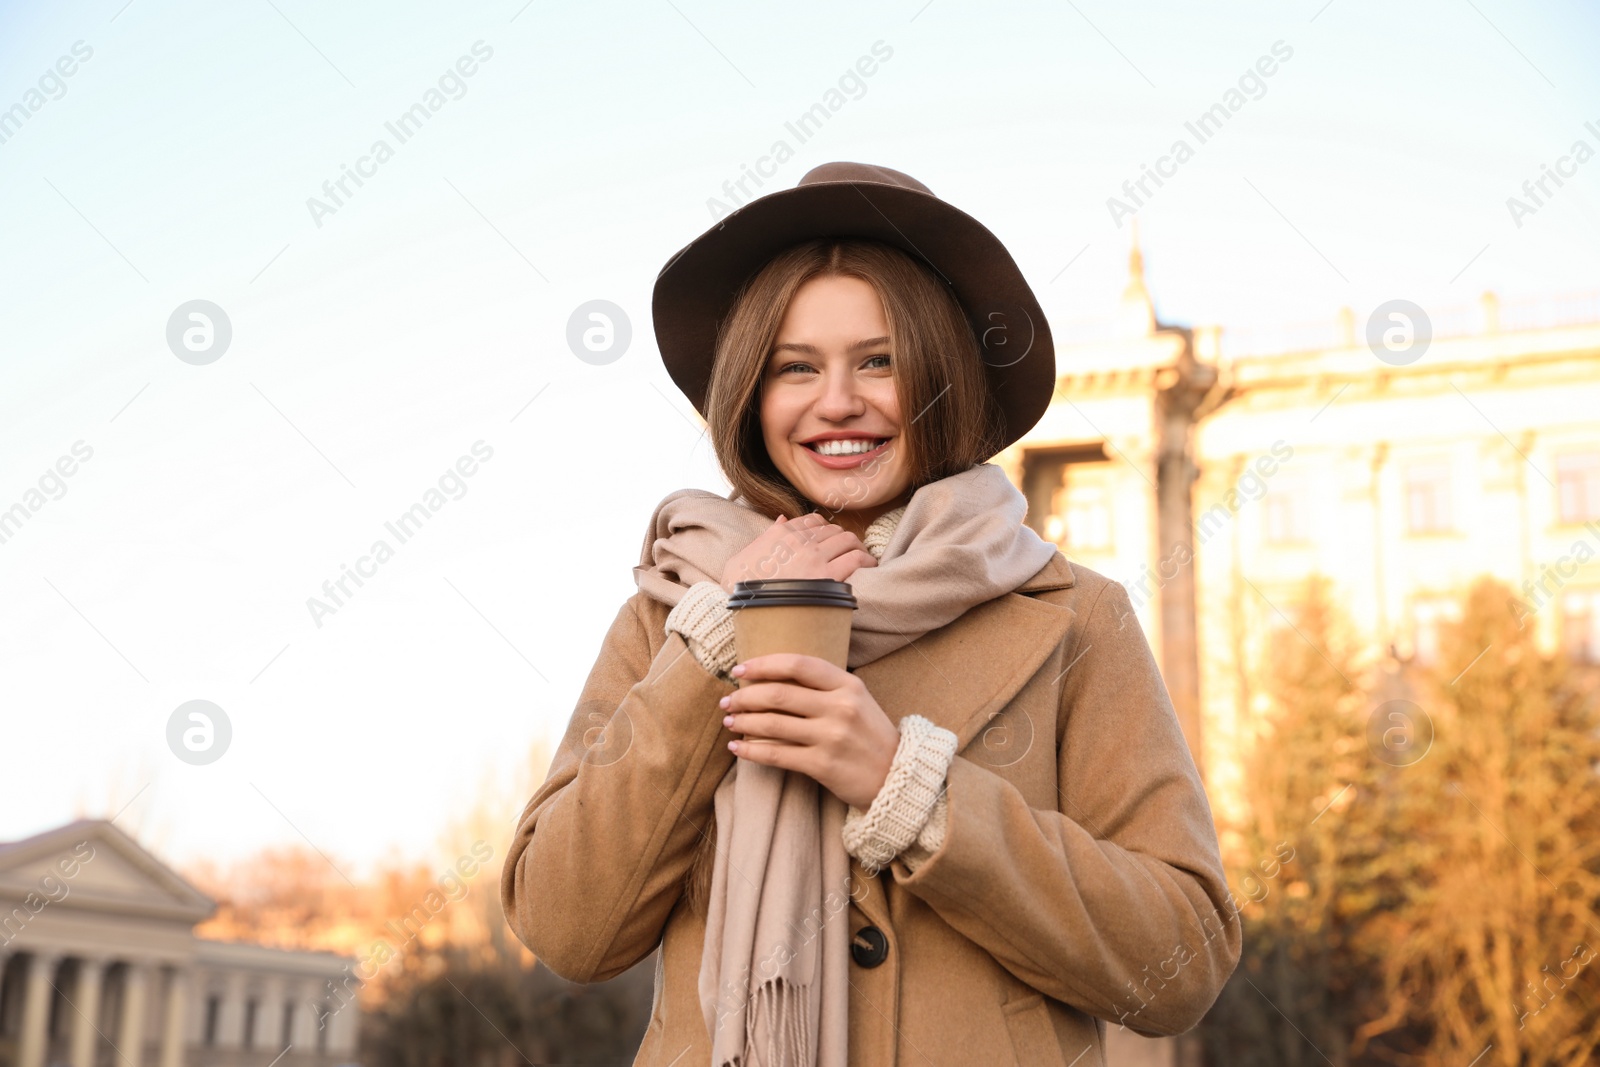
(294, 898)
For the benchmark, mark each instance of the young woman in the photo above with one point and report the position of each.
(985, 838)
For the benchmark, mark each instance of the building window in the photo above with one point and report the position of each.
(1578, 486)
(1428, 617)
(1088, 516)
(213, 1015)
(287, 1035)
(1428, 498)
(250, 1022)
(1045, 472)
(1284, 514)
(1580, 624)
(1080, 510)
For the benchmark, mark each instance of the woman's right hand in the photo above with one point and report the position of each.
(806, 547)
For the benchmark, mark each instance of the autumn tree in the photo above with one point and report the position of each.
(1309, 841)
(450, 1007)
(1490, 955)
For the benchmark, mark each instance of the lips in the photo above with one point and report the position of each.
(838, 463)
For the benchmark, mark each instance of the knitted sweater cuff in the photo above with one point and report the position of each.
(703, 619)
(910, 808)
(932, 836)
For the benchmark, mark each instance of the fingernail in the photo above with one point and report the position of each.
(733, 746)
(737, 671)
(724, 702)
(727, 720)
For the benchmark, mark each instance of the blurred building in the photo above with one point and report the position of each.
(1211, 475)
(99, 965)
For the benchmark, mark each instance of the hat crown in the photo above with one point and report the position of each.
(862, 172)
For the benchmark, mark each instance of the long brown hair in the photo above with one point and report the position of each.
(954, 422)
(949, 419)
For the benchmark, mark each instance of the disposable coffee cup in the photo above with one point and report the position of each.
(808, 616)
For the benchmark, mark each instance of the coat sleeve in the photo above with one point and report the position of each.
(600, 852)
(1116, 902)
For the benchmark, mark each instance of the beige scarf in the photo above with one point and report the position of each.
(774, 972)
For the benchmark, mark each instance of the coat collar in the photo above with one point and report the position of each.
(1057, 574)
(963, 674)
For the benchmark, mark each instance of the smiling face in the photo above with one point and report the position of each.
(830, 415)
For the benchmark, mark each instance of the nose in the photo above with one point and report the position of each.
(840, 398)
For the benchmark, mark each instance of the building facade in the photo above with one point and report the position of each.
(99, 965)
(1212, 476)
(1212, 483)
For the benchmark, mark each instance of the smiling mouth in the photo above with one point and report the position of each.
(857, 447)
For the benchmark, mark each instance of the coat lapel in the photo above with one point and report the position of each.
(963, 674)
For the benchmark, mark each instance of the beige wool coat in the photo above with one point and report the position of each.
(1078, 884)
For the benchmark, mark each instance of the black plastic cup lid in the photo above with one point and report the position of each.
(792, 592)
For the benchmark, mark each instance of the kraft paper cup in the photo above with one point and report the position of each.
(807, 616)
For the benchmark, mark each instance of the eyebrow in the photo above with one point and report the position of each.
(811, 350)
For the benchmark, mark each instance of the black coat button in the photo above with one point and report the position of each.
(869, 947)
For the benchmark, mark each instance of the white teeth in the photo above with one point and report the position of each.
(845, 447)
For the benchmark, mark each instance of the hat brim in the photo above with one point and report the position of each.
(695, 290)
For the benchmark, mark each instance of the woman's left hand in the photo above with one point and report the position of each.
(820, 720)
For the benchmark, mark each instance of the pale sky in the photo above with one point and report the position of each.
(373, 346)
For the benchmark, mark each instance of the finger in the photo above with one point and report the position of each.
(772, 753)
(768, 726)
(840, 543)
(818, 531)
(809, 671)
(768, 546)
(842, 568)
(774, 696)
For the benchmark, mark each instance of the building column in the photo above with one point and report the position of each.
(86, 1018)
(1377, 458)
(1182, 390)
(344, 1027)
(173, 1018)
(36, 993)
(130, 1032)
(269, 1016)
(304, 1031)
(230, 1013)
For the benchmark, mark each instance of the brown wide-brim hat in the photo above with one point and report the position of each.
(696, 289)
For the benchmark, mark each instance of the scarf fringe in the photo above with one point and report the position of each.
(786, 1010)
